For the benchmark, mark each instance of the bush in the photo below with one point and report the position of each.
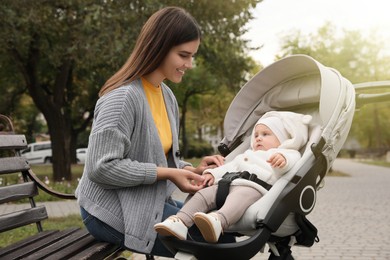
(199, 149)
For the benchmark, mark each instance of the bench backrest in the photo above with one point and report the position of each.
(13, 164)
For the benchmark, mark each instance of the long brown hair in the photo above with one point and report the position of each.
(168, 27)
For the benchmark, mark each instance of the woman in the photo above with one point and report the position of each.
(133, 163)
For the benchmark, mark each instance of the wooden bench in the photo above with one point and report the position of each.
(72, 243)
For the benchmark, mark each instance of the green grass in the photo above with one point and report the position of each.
(47, 169)
(337, 174)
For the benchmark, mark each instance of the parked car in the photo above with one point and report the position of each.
(37, 153)
(81, 153)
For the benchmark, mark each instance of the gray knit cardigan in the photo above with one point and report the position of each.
(119, 183)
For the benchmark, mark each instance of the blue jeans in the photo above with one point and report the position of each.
(103, 232)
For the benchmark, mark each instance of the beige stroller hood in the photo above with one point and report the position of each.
(296, 83)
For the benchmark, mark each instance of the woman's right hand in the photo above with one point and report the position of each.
(185, 180)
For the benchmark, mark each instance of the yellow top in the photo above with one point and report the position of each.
(156, 102)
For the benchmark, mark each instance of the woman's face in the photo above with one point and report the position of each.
(178, 60)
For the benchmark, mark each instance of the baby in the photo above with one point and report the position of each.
(276, 140)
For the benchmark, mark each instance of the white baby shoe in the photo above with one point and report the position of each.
(172, 226)
(209, 225)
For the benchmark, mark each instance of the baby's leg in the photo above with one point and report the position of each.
(237, 202)
(202, 201)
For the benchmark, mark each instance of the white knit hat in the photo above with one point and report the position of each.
(275, 124)
(290, 128)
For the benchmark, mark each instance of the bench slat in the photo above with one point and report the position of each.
(31, 248)
(13, 165)
(73, 243)
(17, 192)
(99, 250)
(76, 248)
(17, 142)
(22, 217)
(61, 249)
(25, 242)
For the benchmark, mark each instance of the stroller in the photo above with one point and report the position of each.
(300, 84)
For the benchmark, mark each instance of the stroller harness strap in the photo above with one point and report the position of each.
(227, 178)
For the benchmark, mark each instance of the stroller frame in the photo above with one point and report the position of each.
(301, 84)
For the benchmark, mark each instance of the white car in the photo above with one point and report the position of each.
(81, 154)
(37, 153)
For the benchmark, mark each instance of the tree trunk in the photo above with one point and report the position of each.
(51, 101)
(379, 140)
(200, 134)
(73, 147)
(60, 135)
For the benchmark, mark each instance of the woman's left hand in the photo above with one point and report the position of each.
(209, 162)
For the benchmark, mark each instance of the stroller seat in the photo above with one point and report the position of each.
(300, 84)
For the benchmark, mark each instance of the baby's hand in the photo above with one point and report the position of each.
(208, 179)
(277, 160)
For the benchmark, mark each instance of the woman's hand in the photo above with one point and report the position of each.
(185, 180)
(209, 162)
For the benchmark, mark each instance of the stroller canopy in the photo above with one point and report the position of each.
(296, 83)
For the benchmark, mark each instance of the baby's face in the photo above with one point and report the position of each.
(265, 139)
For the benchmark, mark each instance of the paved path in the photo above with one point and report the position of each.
(352, 215)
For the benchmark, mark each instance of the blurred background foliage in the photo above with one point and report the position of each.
(55, 56)
(359, 59)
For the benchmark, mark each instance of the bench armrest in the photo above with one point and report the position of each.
(46, 189)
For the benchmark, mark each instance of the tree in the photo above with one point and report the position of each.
(202, 93)
(222, 61)
(61, 52)
(359, 59)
